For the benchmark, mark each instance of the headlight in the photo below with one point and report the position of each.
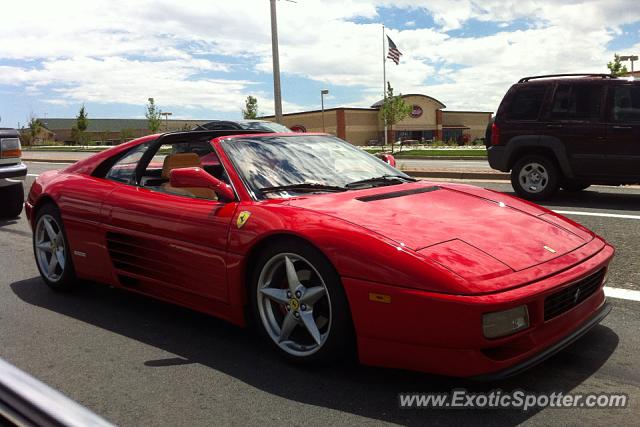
(10, 147)
(507, 322)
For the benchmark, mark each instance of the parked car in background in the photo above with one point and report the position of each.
(263, 125)
(12, 172)
(567, 131)
(271, 127)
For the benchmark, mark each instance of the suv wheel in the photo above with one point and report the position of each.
(12, 197)
(535, 177)
(574, 186)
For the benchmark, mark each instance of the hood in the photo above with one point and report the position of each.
(421, 214)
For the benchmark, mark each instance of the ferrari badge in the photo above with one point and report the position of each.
(243, 218)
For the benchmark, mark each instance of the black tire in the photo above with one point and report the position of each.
(340, 342)
(11, 200)
(575, 186)
(67, 280)
(541, 165)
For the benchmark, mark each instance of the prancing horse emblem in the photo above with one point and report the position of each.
(242, 218)
(576, 296)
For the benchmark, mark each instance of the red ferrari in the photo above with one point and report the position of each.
(326, 249)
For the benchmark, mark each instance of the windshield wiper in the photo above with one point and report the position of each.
(383, 180)
(308, 187)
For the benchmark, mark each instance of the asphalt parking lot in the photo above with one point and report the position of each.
(141, 362)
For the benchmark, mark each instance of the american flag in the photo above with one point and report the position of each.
(394, 54)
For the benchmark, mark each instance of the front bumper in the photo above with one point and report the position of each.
(18, 171)
(442, 334)
(550, 351)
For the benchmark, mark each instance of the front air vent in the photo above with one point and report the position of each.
(395, 194)
(567, 298)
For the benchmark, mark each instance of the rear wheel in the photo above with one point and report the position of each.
(535, 177)
(11, 200)
(299, 305)
(51, 250)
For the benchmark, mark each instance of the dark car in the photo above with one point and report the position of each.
(267, 127)
(249, 124)
(12, 173)
(567, 131)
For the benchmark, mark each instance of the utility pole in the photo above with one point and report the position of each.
(277, 93)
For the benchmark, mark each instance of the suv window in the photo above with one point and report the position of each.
(577, 102)
(626, 103)
(526, 103)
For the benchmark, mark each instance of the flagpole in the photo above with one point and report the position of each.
(384, 86)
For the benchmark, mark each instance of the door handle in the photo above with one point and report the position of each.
(554, 126)
(621, 127)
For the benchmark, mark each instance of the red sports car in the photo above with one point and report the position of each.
(326, 249)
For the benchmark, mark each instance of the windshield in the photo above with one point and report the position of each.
(269, 126)
(265, 163)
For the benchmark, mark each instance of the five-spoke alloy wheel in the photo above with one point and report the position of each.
(299, 303)
(51, 249)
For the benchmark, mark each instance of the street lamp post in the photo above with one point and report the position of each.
(629, 58)
(323, 92)
(277, 94)
(166, 119)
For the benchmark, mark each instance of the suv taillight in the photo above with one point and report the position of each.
(495, 134)
(10, 147)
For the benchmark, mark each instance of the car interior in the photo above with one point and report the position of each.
(182, 155)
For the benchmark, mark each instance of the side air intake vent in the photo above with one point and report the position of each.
(395, 194)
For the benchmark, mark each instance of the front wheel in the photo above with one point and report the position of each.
(299, 305)
(535, 177)
(51, 250)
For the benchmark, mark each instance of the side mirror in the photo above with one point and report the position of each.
(387, 158)
(199, 178)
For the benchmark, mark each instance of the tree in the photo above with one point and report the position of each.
(154, 116)
(393, 110)
(78, 132)
(616, 67)
(126, 134)
(250, 108)
(30, 133)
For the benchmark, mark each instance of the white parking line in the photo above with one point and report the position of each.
(605, 215)
(627, 294)
(33, 174)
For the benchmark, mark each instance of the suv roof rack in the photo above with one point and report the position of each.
(604, 76)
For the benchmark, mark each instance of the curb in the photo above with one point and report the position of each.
(26, 159)
(499, 176)
(401, 157)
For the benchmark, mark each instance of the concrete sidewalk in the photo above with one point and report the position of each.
(447, 171)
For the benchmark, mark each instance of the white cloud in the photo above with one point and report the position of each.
(125, 51)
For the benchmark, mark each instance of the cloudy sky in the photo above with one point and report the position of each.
(200, 59)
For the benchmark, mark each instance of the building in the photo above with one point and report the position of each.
(362, 126)
(113, 130)
(428, 121)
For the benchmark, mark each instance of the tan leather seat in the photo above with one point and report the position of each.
(185, 160)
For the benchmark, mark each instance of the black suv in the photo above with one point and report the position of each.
(567, 131)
